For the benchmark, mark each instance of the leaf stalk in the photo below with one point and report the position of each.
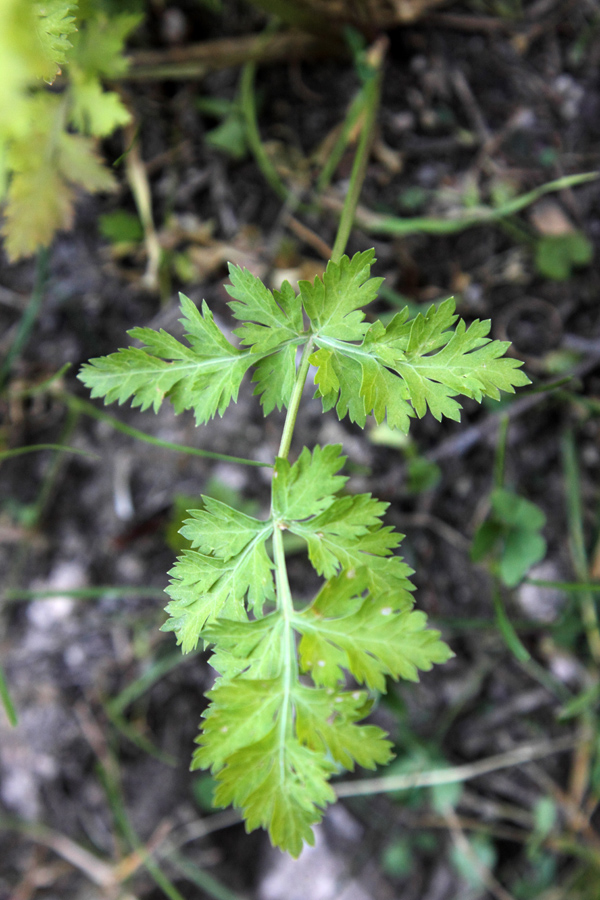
(372, 97)
(292, 413)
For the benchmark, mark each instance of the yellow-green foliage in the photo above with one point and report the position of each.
(53, 55)
(281, 720)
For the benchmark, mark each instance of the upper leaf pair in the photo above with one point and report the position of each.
(399, 370)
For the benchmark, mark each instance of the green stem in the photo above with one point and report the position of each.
(248, 105)
(375, 223)
(88, 409)
(9, 709)
(499, 462)
(30, 315)
(577, 546)
(292, 413)
(371, 102)
(573, 587)
(284, 596)
(36, 448)
(14, 595)
(285, 604)
(355, 110)
(359, 169)
(51, 477)
(505, 626)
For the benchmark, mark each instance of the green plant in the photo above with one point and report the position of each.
(511, 536)
(48, 137)
(271, 738)
(556, 255)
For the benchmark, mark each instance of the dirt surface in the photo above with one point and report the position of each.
(477, 100)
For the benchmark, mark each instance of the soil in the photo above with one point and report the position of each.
(477, 100)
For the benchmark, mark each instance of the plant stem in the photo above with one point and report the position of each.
(30, 315)
(196, 61)
(372, 95)
(5, 698)
(36, 448)
(377, 223)
(577, 546)
(248, 105)
(373, 92)
(15, 595)
(506, 629)
(285, 605)
(292, 413)
(88, 409)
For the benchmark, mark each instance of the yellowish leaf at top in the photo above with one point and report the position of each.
(94, 110)
(39, 204)
(46, 167)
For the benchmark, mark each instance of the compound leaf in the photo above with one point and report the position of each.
(275, 376)
(205, 376)
(271, 738)
(220, 529)
(326, 721)
(410, 367)
(466, 361)
(308, 486)
(350, 535)
(334, 303)
(205, 587)
(261, 766)
(368, 637)
(43, 162)
(269, 319)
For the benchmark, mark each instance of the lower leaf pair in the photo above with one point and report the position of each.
(272, 739)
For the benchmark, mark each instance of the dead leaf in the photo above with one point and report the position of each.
(549, 218)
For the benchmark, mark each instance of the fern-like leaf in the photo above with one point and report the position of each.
(367, 636)
(205, 376)
(407, 368)
(308, 486)
(48, 165)
(335, 302)
(270, 319)
(205, 586)
(281, 718)
(55, 23)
